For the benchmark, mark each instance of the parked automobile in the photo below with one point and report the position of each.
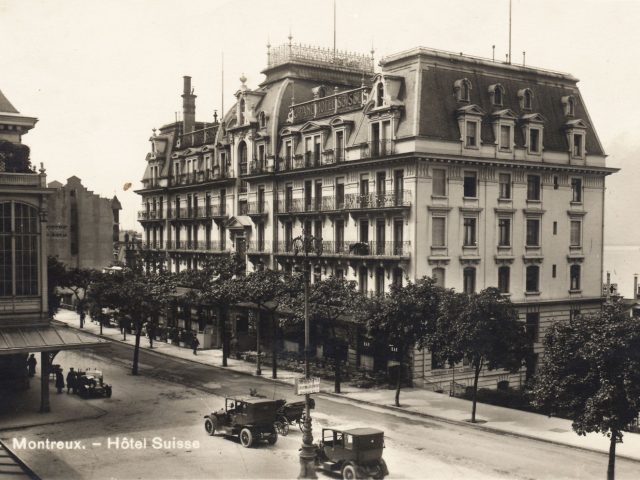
(249, 418)
(90, 384)
(354, 452)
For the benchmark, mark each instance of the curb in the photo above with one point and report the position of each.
(28, 471)
(461, 423)
(100, 414)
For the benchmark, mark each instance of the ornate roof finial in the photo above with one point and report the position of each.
(290, 37)
(243, 79)
(154, 131)
(215, 117)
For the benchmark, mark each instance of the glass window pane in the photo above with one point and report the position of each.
(439, 182)
(438, 237)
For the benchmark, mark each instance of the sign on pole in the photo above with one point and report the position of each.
(305, 386)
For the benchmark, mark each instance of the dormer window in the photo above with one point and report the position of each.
(469, 123)
(569, 104)
(578, 148)
(576, 131)
(462, 88)
(497, 94)
(471, 135)
(241, 112)
(380, 94)
(526, 98)
(262, 120)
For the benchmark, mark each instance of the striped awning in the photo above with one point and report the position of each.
(44, 338)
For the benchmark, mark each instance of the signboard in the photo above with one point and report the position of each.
(305, 386)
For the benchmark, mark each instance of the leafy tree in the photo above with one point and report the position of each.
(269, 290)
(78, 280)
(404, 318)
(591, 373)
(56, 277)
(482, 328)
(217, 285)
(332, 302)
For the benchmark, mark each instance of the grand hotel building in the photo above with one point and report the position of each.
(476, 173)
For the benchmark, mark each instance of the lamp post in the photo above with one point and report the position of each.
(306, 244)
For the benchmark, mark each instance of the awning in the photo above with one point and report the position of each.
(15, 340)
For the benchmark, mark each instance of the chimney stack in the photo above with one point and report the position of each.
(188, 107)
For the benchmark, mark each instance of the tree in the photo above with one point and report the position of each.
(56, 274)
(78, 280)
(216, 284)
(332, 302)
(591, 373)
(482, 328)
(269, 290)
(403, 318)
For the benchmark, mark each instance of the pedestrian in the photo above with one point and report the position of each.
(194, 344)
(71, 381)
(31, 365)
(83, 315)
(59, 380)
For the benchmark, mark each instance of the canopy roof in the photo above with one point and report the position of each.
(14, 340)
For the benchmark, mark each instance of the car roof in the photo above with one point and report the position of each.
(357, 431)
(249, 399)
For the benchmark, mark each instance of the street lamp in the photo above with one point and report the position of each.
(306, 244)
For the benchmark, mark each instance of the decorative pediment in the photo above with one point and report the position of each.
(239, 222)
(386, 91)
(469, 261)
(532, 259)
(339, 121)
(470, 110)
(532, 118)
(313, 126)
(289, 131)
(504, 260)
(575, 123)
(505, 114)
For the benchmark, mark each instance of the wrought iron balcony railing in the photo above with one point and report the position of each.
(377, 149)
(398, 198)
(354, 248)
(259, 247)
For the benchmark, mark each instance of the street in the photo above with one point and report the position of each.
(169, 398)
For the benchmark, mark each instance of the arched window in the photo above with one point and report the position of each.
(571, 106)
(242, 158)
(462, 88)
(380, 94)
(498, 94)
(18, 249)
(533, 279)
(241, 112)
(527, 100)
(469, 280)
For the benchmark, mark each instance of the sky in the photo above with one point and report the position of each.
(100, 75)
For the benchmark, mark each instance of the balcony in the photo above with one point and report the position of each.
(357, 249)
(198, 137)
(23, 179)
(259, 166)
(194, 178)
(255, 208)
(258, 247)
(196, 246)
(393, 199)
(150, 215)
(377, 149)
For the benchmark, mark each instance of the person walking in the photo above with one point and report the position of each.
(71, 381)
(195, 343)
(59, 380)
(31, 365)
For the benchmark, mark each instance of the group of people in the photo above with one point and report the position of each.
(72, 380)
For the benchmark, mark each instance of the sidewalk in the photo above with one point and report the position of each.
(413, 400)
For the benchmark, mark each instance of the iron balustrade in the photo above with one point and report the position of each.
(259, 247)
(377, 149)
(256, 208)
(355, 248)
(193, 178)
(398, 198)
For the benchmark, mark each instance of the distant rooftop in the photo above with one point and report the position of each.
(317, 56)
(5, 105)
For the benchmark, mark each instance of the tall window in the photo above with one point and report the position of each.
(339, 139)
(576, 190)
(497, 95)
(438, 276)
(527, 99)
(504, 274)
(439, 182)
(438, 234)
(242, 158)
(380, 94)
(576, 233)
(504, 232)
(470, 184)
(574, 274)
(534, 140)
(505, 137)
(577, 144)
(18, 249)
(533, 187)
(469, 280)
(340, 193)
(469, 232)
(533, 232)
(533, 279)
(363, 275)
(532, 326)
(472, 134)
(504, 180)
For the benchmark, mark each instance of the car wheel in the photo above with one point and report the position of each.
(108, 395)
(349, 472)
(209, 426)
(246, 437)
(273, 438)
(381, 471)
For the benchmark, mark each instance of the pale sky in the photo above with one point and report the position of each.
(100, 75)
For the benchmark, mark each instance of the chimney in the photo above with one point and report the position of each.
(188, 107)
(635, 286)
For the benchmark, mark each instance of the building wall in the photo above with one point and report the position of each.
(80, 227)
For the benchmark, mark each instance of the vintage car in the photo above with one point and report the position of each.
(90, 384)
(353, 452)
(250, 418)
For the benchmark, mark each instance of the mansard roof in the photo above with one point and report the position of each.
(438, 104)
(5, 105)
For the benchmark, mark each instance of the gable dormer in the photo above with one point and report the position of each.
(470, 123)
(386, 92)
(576, 134)
(532, 125)
(247, 105)
(504, 125)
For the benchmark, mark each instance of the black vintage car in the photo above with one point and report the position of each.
(250, 418)
(353, 452)
(90, 384)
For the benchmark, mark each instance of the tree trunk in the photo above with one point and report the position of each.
(136, 350)
(336, 388)
(258, 367)
(399, 375)
(223, 336)
(611, 474)
(274, 347)
(476, 375)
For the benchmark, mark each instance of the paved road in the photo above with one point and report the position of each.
(170, 396)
